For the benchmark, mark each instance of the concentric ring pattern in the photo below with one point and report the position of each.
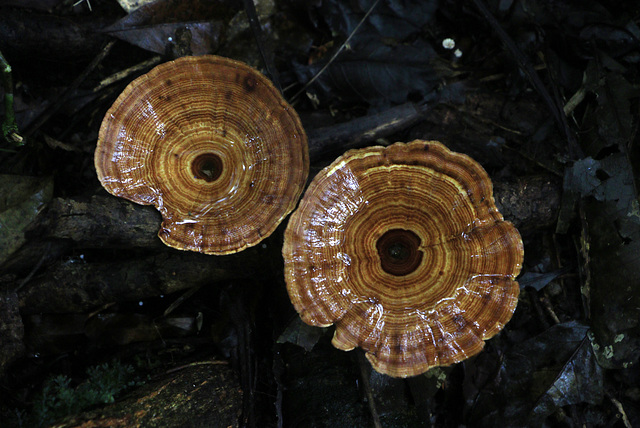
(404, 250)
(212, 144)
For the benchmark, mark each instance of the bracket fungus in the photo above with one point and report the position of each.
(404, 250)
(213, 145)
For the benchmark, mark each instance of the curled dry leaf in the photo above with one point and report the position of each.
(213, 145)
(404, 250)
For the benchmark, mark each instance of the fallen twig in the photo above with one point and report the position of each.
(335, 55)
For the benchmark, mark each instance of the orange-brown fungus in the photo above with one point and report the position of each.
(212, 144)
(404, 250)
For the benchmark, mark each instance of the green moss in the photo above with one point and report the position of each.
(59, 398)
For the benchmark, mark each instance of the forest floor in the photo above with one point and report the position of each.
(100, 323)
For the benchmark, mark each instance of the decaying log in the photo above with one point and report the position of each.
(100, 222)
(107, 222)
(200, 394)
(77, 286)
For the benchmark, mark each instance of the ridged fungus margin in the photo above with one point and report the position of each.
(404, 250)
(211, 143)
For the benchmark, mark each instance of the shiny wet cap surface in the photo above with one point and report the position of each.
(404, 250)
(211, 143)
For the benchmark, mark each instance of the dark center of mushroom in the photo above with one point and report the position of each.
(207, 167)
(399, 252)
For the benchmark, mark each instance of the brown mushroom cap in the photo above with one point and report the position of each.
(213, 145)
(404, 250)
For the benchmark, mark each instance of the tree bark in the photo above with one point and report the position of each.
(201, 394)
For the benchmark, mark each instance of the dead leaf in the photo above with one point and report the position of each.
(192, 27)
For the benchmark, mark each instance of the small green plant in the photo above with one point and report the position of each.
(9, 126)
(59, 398)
